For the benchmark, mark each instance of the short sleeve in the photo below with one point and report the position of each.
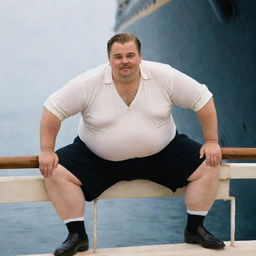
(187, 92)
(67, 101)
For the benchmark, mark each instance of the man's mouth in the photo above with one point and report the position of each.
(125, 67)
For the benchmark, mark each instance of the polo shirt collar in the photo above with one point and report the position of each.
(108, 75)
(144, 71)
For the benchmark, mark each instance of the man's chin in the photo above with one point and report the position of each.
(125, 74)
(125, 71)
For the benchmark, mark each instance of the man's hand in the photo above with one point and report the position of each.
(212, 153)
(48, 161)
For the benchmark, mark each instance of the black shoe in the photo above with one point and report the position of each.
(72, 245)
(204, 238)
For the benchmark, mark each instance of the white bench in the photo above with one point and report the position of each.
(17, 189)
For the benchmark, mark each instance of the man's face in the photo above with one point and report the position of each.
(124, 60)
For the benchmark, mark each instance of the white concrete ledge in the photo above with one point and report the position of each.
(239, 170)
(241, 248)
(22, 189)
(32, 189)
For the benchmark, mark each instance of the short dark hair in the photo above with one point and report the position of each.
(123, 38)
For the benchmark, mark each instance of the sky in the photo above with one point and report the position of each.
(43, 45)
(49, 41)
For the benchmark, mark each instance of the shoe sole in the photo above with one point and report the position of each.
(79, 249)
(82, 249)
(208, 246)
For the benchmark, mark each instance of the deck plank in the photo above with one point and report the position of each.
(245, 248)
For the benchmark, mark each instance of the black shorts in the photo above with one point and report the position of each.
(170, 167)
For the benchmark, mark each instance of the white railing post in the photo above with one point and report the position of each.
(232, 221)
(95, 225)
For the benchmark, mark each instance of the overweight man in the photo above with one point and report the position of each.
(127, 132)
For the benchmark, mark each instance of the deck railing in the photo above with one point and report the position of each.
(16, 189)
(20, 162)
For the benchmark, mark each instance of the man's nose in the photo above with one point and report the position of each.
(124, 60)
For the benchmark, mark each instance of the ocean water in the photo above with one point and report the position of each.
(43, 45)
(31, 228)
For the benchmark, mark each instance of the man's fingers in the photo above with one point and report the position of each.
(43, 169)
(56, 162)
(213, 161)
(46, 169)
(212, 154)
(201, 153)
(48, 161)
(208, 161)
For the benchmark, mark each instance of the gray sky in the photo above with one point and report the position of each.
(44, 44)
(50, 41)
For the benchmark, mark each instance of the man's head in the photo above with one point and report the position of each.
(124, 57)
(122, 39)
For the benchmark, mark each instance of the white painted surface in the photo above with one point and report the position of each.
(32, 189)
(241, 248)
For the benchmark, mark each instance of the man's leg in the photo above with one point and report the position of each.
(200, 194)
(66, 195)
(201, 190)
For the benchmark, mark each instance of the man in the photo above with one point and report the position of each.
(127, 132)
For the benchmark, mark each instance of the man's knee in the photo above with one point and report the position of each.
(56, 177)
(211, 173)
(61, 175)
(205, 172)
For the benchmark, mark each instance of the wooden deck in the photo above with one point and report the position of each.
(241, 248)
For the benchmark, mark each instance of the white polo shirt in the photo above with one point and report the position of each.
(115, 131)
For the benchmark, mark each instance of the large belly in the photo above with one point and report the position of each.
(128, 139)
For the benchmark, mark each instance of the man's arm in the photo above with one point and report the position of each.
(49, 128)
(208, 120)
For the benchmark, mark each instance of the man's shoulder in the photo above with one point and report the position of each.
(155, 68)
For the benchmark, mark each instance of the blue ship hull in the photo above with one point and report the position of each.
(215, 43)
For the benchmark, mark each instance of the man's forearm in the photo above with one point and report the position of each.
(208, 120)
(49, 128)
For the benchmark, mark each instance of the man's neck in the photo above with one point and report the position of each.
(127, 89)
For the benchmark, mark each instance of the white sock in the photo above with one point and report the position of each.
(74, 219)
(201, 213)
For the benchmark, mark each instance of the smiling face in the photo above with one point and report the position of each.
(124, 60)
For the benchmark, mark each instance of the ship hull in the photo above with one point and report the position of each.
(191, 37)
